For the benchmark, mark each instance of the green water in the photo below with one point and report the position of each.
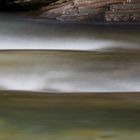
(42, 124)
(62, 117)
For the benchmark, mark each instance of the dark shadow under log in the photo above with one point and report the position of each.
(23, 5)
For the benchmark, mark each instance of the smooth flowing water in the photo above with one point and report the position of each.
(49, 59)
(110, 62)
(27, 33)
(35, 116)
(70, 71)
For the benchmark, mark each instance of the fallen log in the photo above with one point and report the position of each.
(84, 10)
(77, 10)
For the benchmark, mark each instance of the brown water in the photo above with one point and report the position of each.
(70, 71)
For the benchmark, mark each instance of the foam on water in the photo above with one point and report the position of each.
(22, 33)
(79, 84)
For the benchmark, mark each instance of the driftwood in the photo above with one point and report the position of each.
(81, 10)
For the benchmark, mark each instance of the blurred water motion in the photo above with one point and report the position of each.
(26, 33)
(30, 116)
(92, 71)
(70, 71)
(68, 59)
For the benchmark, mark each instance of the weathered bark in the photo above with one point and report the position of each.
(77, 10)
(81, 10)
(69, 10)
(127, 12)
